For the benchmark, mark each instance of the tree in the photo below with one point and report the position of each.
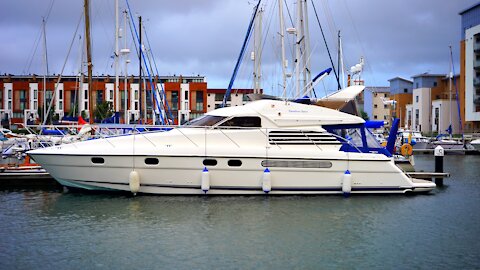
(364, 115)
(103, 110)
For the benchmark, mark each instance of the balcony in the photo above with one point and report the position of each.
(476, 101)
(476, 47)
(476, 82)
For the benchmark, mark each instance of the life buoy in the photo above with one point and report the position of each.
(384, 144)
(406, 150)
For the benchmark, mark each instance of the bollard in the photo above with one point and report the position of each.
(439, 154)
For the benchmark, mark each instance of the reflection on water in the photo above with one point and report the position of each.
(54, 229)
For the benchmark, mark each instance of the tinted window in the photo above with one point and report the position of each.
(248, 121)
(98, 160)
(235, 163)
(209, 162)
(151, 161)
(206, 120)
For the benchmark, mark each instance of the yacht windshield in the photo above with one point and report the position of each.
(205, 121)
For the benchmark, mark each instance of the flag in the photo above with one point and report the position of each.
(449, 129)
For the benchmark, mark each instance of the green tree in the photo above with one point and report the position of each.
(103, 110)
(364, 115)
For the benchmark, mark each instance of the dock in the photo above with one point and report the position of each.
(448, 151)
(427, 175)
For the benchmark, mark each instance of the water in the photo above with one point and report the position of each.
(51, 229)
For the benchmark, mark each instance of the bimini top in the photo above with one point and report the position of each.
(283, 114)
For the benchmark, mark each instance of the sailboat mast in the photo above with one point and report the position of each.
(91, 105)
(45, 58)
(140, 50)
(307, 77)
(125, 91)
(116, 100)
(257, 54)
(450, 77)
(282, 41)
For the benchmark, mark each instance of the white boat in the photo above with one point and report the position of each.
(476, 144)
(417, 140)
(266, 146)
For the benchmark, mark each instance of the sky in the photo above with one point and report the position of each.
(187, 37)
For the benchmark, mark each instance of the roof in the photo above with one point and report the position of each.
(428, 75)
(468, 9)
(378, 89)
(289, 114)
(400, 78)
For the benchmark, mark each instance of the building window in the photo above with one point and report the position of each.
(405, 90)
(199, 101)
(174, 100)
(384, 106)
(85, 94)
(384, 117)
(186, 95)
(416, 99)
(417, 116)
(434, 84)
(385, 95)
(23, 99)
(375, 117)
(99, 96)
(375, 106)
(218, 97)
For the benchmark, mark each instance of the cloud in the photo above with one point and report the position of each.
(397, 38)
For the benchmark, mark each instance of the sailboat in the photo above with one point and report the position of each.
(446, 140)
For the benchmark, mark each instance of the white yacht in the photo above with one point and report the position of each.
(417, 140)
(476, 144)
(265, 146)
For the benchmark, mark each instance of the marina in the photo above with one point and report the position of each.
(63, 229)
(290, 153)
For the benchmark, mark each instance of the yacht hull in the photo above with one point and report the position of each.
(183, 174)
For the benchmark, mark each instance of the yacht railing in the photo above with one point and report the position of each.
(106, 132)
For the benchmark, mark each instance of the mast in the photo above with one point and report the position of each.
(116, 99)
(341, 72)
(45, 58)
(140, 50)
(307, 78)
(282, 41)
(257, 55)
(450, 77)
(297, 48)
(91, 95)
(125, 91)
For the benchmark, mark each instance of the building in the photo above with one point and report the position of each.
(23, 99)
(470, 66)
(238, 97)
(401, 93)
(377, 105)
(422, 101)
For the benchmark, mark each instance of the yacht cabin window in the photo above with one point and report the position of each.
(206, 120)
(244, 121)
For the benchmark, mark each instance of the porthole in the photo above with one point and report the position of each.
(234, 163)
(210, 162)
(151, 161)
(98, 160)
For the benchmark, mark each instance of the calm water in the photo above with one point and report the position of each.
(63, 230)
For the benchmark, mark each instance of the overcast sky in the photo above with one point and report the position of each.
(396, 37)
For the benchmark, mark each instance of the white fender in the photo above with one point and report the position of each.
(347, 183)
(205, 180)
(266, 181)
(134, 182)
